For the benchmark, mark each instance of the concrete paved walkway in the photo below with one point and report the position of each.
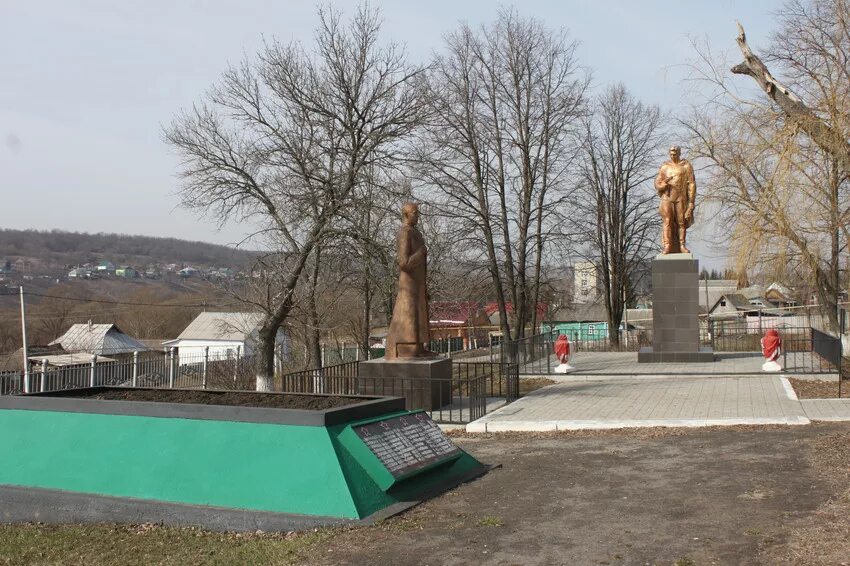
(671, 401)
(726, 364)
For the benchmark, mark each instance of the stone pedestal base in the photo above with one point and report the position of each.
(648, 356)
(771, 366)
(424, 384)
(675, 307)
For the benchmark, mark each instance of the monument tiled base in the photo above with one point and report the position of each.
(424, 383)
(675, 332)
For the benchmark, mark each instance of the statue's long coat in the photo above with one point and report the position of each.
(409, 327)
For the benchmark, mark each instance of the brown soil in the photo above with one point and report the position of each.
(735, 495)
(235, 398)
(812, 389)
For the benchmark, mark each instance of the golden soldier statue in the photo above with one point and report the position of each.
(677, 188)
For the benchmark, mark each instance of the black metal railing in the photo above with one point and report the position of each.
(460, 399)
(532, 355)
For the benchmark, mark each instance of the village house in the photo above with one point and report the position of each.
(98, 339)
(223, 336)
(462, 323)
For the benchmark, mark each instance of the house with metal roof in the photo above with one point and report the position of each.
(748, 302)
(223, 336)
(100, 339)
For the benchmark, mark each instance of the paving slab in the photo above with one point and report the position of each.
(641, 402)
(591, 366)
(827, 409)
(800, 364)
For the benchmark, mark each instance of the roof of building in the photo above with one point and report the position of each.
(78, 358)
(711, 290)
(452, 312)
(780, 288)
(493, 307)
(153, 343)
(98, 339)
(594, 312)
(724, 283)
(226, 326)
(741, 302)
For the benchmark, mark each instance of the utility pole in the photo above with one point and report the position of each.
(626, 311)
(24, 339)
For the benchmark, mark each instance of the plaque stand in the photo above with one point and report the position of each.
(675, 308)
(424, 383)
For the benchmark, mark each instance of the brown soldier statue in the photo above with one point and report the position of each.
(409, 331)
(677, 187)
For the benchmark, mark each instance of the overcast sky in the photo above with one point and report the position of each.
(86, 86)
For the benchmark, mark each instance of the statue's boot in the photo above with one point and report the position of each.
(666, 239)
(682, 248)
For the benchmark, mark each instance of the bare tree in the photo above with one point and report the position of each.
(779, 167)
(504, 101)
(619, 151)
(284, 141)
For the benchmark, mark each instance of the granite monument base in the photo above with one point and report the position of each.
(675, 310)
(647, 355)
(424, 383)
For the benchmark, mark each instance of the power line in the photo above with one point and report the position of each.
(128, 303)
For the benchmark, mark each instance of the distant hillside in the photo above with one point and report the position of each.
(53, 249)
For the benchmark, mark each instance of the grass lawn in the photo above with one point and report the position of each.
(96, 545)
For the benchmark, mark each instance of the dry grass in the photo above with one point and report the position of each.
(148, 544)
(824, 536)
(641, 433)
(815, 389)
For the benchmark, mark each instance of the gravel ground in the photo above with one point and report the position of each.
(743, 495)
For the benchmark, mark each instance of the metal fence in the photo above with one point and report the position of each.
(471, 386)
(469, 389)
(532, 354)
(148, 369)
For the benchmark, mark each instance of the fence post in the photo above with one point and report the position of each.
(322, 359)
(171, 368)
(204, 368)
(93, 370)
(44, 375)
(236, 363)
(491, 347)
(135, 369)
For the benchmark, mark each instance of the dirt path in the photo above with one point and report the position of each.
(704, 496)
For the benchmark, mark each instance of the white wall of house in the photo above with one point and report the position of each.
(192, 351)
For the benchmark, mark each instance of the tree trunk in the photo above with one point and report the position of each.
(366, 329)
(265, 358)
(314, 338)
(819, 131)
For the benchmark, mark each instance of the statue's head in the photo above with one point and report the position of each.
(410, 213)
(675, 153)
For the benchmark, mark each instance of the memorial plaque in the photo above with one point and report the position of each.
(408, 443)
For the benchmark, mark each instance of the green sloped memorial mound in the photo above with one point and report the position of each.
(219, 460)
